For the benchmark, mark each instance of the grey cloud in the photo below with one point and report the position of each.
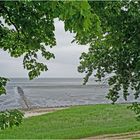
(64, 65)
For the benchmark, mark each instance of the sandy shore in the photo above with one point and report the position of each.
(40, 111)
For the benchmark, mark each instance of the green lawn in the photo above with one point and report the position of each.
(76, 122)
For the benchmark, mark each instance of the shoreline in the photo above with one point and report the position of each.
(40, 111)
(44, 110)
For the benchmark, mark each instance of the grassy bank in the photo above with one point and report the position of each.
(76, 122)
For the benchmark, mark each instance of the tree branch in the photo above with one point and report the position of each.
(7, 12)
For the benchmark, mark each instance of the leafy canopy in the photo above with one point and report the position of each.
(115, 52)
(33, 28)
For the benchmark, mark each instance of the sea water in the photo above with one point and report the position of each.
(54, 92)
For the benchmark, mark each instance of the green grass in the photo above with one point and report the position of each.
(76, 122)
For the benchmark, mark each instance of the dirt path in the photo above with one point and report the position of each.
(122, 136)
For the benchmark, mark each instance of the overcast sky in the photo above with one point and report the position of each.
(65, 62)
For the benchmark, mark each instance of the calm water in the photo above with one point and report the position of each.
(53, 93)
